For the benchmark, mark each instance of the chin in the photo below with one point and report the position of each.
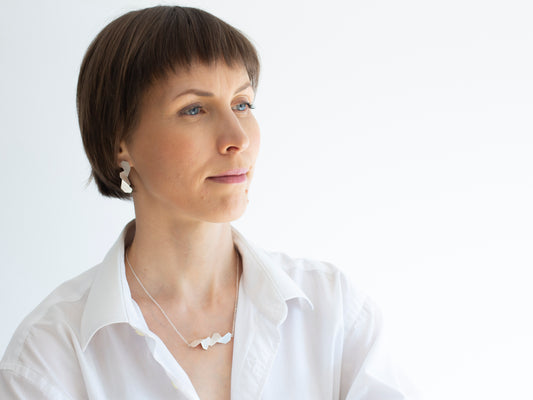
(229, 212)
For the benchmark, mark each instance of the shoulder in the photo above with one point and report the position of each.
(51, 326)
(326, 286)
(50, 349)
(304, 271)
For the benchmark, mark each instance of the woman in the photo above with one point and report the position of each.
(183, 306)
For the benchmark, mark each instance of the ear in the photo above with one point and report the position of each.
(123, 154)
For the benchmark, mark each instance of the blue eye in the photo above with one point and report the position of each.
(243, 106)
(192, 111)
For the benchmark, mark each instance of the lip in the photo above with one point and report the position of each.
(237, 175)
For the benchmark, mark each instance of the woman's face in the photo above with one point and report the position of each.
(194, 149)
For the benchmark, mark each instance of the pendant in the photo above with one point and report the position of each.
(211, 340)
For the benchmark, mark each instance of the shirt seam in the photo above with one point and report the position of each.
(37, 381)
(361, 314)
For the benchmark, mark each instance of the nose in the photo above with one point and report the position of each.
(232, 136)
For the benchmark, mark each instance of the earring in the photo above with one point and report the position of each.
(125, 184)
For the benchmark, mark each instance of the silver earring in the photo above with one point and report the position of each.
(125, 184)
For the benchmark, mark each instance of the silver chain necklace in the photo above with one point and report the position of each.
(208, 341)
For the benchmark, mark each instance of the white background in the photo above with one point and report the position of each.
(397, 142)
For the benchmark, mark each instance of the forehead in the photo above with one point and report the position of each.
(218, 78)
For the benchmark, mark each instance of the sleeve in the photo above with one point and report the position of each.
(17, 382)
(367, 372)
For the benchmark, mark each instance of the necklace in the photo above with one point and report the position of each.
(208, 341)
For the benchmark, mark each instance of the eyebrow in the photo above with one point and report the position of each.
(203, 93)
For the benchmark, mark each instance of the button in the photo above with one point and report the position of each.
(138, 332)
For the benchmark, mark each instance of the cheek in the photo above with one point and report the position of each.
(172, 151)
(160, 161)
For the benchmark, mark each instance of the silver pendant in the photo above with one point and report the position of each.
(211, 340)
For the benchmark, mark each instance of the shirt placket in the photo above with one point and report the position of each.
(256, 347)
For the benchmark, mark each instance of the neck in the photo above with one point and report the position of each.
(190, 261)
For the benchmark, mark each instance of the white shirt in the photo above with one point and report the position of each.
(301, 332)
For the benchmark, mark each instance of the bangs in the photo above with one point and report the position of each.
(174, 39)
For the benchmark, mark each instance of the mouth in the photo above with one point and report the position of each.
(237, 175)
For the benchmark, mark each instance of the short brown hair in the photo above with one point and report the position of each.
(127, 57)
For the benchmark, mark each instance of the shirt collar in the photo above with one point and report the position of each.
(109, 300)
(265, 281)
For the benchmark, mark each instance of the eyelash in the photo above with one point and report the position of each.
(249, 105)
(186, 111)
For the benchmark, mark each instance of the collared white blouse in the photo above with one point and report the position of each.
(301, 332)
